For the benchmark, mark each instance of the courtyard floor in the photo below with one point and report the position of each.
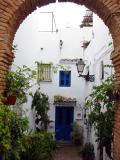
(68, 152)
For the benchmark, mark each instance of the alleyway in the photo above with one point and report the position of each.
(67, 152)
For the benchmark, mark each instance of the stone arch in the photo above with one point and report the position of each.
(12, 14)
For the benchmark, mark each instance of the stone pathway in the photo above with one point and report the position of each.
(67, 153)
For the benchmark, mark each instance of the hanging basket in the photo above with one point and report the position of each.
(11, 100)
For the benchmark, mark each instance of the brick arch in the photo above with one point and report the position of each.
(12, 14)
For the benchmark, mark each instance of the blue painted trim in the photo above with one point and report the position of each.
(64, 78)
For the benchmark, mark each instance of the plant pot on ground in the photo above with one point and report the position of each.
(40, 146)
(77, 134)
(87, 152)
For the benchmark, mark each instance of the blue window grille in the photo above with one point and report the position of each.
(65, 78)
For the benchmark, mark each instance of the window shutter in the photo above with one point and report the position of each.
(65, 78)
(44, 72)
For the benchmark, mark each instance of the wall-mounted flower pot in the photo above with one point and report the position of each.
(11, 100)
(113, 96)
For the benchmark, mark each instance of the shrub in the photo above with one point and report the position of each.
(12, 133)
(40, 146)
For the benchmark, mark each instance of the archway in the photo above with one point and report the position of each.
(12, 13)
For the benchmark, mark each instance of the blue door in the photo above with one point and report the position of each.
(63, 123)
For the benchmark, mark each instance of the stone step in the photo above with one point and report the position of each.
(61, 144)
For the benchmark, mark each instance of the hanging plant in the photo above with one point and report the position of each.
(17, 84)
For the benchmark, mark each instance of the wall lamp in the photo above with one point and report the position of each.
(80, 67)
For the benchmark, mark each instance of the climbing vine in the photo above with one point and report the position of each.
(101, 106)
(41, 105)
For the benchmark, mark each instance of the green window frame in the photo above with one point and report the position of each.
(44, 73)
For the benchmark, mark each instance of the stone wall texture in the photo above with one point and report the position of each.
(12, 14)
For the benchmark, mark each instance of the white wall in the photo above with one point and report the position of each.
(29, 48)
(98, 50)
(30, 42)
(51, 53)
(45, 46)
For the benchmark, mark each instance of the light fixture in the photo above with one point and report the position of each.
(61, 44)
(80, 67)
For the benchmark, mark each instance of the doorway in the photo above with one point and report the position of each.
(63, 123)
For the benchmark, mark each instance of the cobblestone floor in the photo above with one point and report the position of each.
(67, 153)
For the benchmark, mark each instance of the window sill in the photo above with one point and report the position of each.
(45, 81)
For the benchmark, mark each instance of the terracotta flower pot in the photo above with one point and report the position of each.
(113, 96)
(11, 100)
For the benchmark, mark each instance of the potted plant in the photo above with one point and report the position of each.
(10, 100)
(17, 84)
(87, 152)
(59, 98)
(77, 134)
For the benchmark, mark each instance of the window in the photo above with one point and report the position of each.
(64, 78)
(44, 72)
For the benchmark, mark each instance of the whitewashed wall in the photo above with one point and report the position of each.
(98, 50)
(30, 42)
(72, 39)
(45, 46)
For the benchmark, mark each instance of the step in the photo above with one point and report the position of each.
(64, 143)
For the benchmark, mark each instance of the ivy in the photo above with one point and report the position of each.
(101, 115)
